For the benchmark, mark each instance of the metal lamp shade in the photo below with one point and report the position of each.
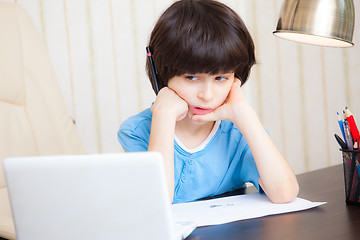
(318, 22)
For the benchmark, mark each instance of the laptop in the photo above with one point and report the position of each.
(99, 196)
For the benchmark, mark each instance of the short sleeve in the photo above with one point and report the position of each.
(134, 134)
(131, 142)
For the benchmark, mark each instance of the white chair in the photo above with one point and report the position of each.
(33, 116)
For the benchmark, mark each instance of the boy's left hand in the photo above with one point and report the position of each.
(231, 110)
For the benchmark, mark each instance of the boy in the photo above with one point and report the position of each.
(211, 140)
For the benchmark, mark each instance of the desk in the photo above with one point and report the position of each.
(334, 220)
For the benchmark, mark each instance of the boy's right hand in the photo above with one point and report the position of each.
(169, 103)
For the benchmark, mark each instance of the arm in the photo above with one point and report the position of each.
(167, 109)
(276, 177)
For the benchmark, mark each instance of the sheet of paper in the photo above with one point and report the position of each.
(229, 209)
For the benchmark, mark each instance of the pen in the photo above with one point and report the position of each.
(348, 135)
(341, 124)
(340, 142)
(153, 69)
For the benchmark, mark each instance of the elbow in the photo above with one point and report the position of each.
(285, 194)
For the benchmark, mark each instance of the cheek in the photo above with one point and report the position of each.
(181, 89)
(225, 92)
(184, 94)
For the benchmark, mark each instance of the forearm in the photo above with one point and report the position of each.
(276, 176)
(162, 140)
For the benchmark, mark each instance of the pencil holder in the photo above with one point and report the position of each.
(351, 167)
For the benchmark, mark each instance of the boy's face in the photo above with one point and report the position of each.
(202, 92)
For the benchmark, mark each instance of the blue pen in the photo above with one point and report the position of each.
(341, 124)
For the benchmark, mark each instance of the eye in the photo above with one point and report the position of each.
(221, 78)
(191, 78)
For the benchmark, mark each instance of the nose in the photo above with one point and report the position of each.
(206, 91)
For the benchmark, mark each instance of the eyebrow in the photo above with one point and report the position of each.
(217, 74)
(225, 74)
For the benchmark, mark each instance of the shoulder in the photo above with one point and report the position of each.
(229, 127)
(230, 136)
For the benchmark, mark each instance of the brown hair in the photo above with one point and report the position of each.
(200, 36)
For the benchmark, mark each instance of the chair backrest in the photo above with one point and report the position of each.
(33, 117)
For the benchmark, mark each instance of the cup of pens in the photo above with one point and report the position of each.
(351, 176)
(351, 156)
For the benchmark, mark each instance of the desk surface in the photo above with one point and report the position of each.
(334, 220)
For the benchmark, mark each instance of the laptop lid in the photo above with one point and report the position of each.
(104, 196)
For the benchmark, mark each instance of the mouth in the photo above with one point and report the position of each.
(200, 110)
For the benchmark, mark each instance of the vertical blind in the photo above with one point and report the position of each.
(97, 48)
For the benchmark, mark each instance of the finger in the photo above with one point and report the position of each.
(237, 83)
(238, 80)
(182, 116)
(236, 88)
(205, 118)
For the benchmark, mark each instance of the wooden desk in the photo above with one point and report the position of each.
(334, 220)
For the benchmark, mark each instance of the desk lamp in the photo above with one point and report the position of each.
(319, 22)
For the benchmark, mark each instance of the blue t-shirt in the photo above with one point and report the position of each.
(224, 164)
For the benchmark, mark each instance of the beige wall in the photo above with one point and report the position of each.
(97, 49)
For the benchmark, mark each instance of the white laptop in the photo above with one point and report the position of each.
(102, 196)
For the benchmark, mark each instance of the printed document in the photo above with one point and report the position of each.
(229, 209)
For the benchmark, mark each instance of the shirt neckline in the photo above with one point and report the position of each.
(202, 145)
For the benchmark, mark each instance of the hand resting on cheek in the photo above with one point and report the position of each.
(170, 103)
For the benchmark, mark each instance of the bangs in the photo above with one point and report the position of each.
(210, 53)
